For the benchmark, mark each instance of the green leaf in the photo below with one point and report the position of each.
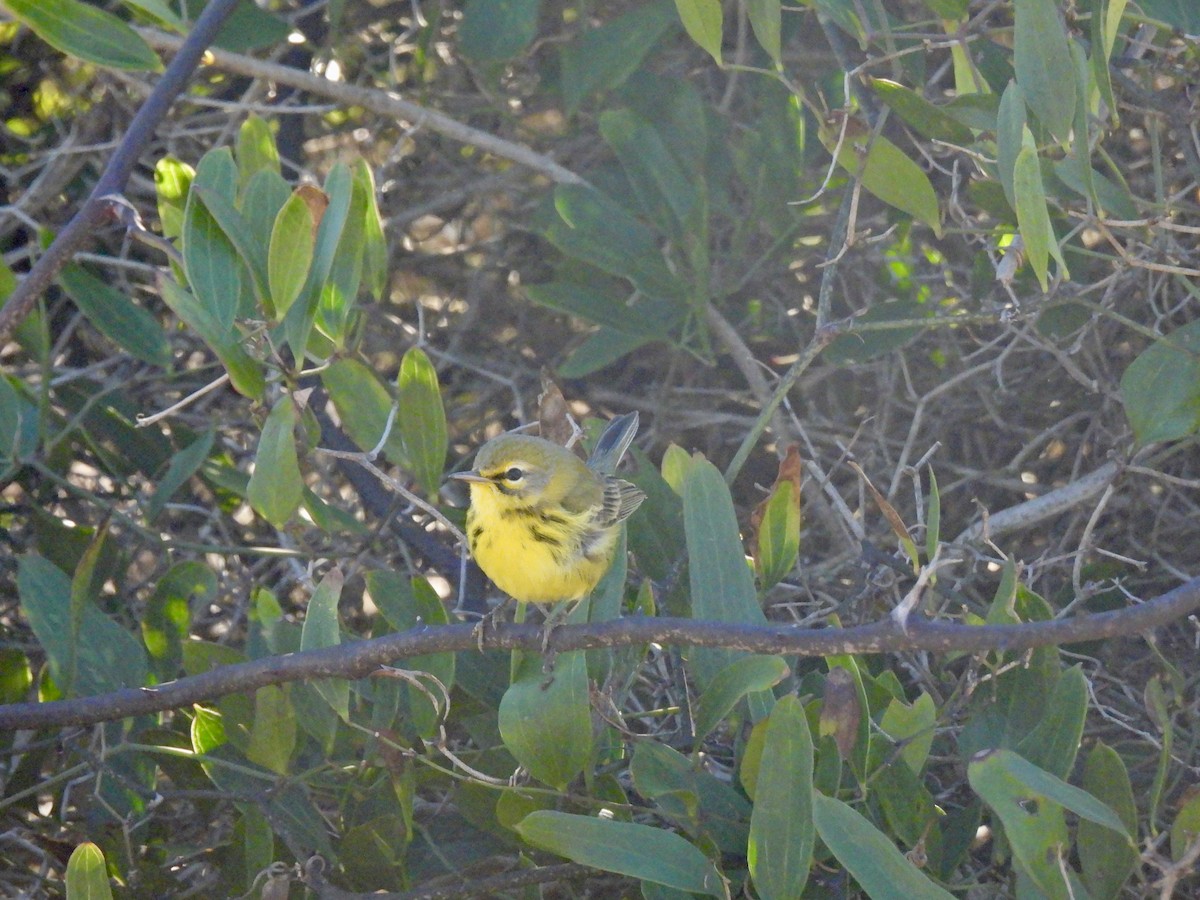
(603, 58)
(1030, 803)
(1161, 388)
(636, 851)
(87, 876)
(116, 316)
(321, 630)
(183, 466)
(272, 730)
(673, 198)
(1033, 217)
(290, 253)
(886, 172)
(766, 21)
(167, 619)
(256, 150)
(537, 705)
(778, 534)
(731, 684)
(926, 118)
(18, 426)
(722, 585)
(248, 28)
(869, 856)
(703, 21)
(600, 349)
(933, 518)
(159, 10)
(422, 419)
(414, 604)
(209, 257)
(86, 32)
(375, 248)
(1054, 743)
(245, 373)
(363, 405)
(1186, 827)
(1181, 14)
(643, 318)
(781, 827)
(1106, 858)
(1042, 60)
(913, 725)
(276, 486)
(497, 30)
(1010, 132)
(172, 181)
(596, 229)
(251, 249)
(107, 659)
(340, 292)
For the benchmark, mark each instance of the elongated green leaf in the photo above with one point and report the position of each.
(637, 851)
(925, 117)
(886, 172)
(1106, 858)
(167, 619)
(256, 150)
(172, 181)
(250, 247)
(290, 253)
(1042, 59)
(497, 30)
(676, 200)
(1054, 743)
(1033, 218)
(1161, 388)
(596, 229)
(116, 316)
(643, 318)
(245, 373)
(766, 21)
(321, 629)
(422, 419)
(702, 20)
(363, 405)
(1030, 802)
(778, 534)
(272, 730)
(87, 876)
(109, 658)
(158, 9)
(375, 248)
(276, 486)
(537, 705)
(182, 467)
(913, 724)
(874, 861)
(211, 261)
(735, 681)
(782, 835)
(87, 32)
(603, 58)
(722, 585)
(1010, 130)
(600, 349)
(340, 293)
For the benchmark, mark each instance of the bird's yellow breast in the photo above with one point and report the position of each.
(534, 554)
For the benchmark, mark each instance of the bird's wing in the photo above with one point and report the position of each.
(621, 498)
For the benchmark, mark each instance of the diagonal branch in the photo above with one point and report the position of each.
(361, 659)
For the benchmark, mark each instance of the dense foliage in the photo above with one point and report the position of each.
(906, 296)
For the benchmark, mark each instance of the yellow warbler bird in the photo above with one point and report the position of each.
(543, 524)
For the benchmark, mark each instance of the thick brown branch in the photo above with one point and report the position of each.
(360, 659)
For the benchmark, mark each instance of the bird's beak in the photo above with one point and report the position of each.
(469, 476)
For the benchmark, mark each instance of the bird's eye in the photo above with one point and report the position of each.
(514, 474)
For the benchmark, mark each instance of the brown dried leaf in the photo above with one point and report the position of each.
(554, 419)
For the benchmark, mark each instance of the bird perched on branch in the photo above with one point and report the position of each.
(543, 524)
